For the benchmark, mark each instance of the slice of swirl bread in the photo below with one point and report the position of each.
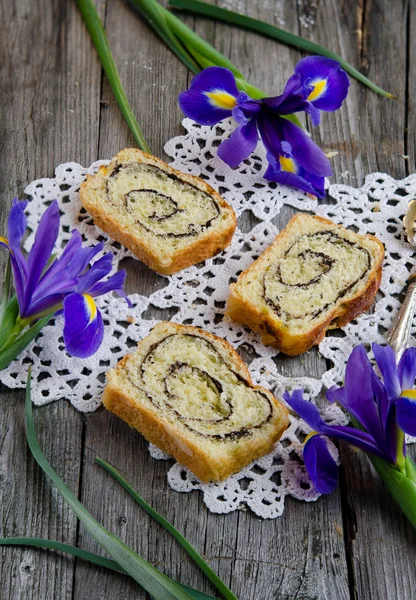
(315, 276)
(188, 392)
(168, 219)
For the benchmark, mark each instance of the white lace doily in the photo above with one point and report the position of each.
(200, 293)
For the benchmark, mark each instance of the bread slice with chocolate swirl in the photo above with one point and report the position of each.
(315, 276)
(189, 393)
(168, 219)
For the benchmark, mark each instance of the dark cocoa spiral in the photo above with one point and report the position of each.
(161, 202)
(316, 272)
(185, 374)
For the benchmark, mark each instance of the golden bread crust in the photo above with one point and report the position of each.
(173, 440)
(241, 310)
(207, 246)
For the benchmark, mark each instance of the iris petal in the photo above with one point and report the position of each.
(359, 393)
(336, 394)
(305, 409)
(305, 151)
(322, 468)
(98, 270)
(54, 275)
(112, 284)
(241, 143)
(306, 182)
(386, 362)
(211, 96)
(84, 327)
(406, 414)
(82, 259)
(45, 239)
(407, 369)
(310, 414)
(17, 222)
(329, 83)
(292, 100)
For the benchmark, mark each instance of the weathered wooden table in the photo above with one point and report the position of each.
(56, 106)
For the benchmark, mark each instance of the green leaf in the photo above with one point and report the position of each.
(101, 561)
(9, 320)
(402, 489)
(155, 16)
(271, 31)
(12, 351)
(194, 43)
(153, 581)
(193, 553)
(6, 291)
(410, 469)
(98, 37)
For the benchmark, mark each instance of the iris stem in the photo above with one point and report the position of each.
(400, 460)
(19, 326)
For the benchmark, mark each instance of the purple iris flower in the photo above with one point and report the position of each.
(385, 410)
(318, 84)
(46, 285)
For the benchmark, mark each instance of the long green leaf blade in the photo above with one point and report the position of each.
(153, 581)
(7, 285)
(271, 31)
(9, 320)
(9, 353)
(193, 553)
(95, 559)
(195, 43)
(99, 39)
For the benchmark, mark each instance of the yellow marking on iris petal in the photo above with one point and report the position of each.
(222, 99)
(3, 240)
(288, 164)
(409, 394)
(318, 89)
(92, 309)
(308, 437)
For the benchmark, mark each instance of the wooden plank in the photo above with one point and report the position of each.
(410, 132)
(242, 548)
(301, 555)
(369, 134)
(153, 78)
(49, 85)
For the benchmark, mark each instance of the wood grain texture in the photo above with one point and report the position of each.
(43, 69)
(56, 106)
(374, 37)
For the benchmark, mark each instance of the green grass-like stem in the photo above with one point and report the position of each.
(401, 487)
(99, 39)
(193, 553)
(7, 286)
(8, 322)
(11, 350)
(153, 581)
(95, 559)
(276, 33)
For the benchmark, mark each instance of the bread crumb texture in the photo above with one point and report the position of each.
(316, 275)
(168, 219)
(189, 393)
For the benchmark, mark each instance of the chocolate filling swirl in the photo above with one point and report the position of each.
(160, 202)
(317, 271)
(186, 375)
